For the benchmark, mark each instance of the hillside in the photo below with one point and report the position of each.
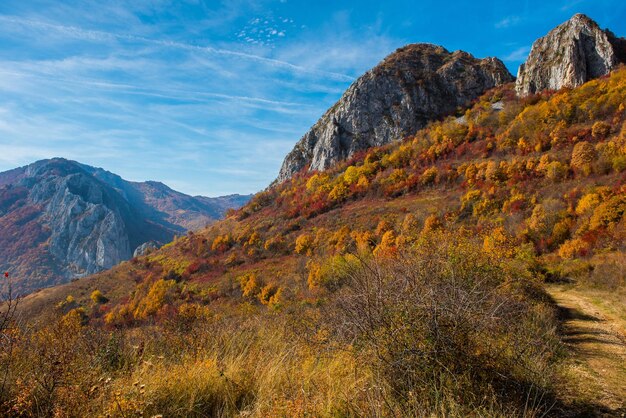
(62, 220)
(410, 87)
(476, 210)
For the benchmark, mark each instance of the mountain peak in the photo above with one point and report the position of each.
(582, 18)
(410, 87)
(571, 54)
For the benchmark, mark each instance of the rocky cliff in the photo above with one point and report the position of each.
(569, 55)
(410, 87)
(61, 220)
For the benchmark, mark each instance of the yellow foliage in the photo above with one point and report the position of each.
(429, 175)
(351, 175)
(339, 192)
(524, 146)
(587, 203)
(516, 201)
(97, 297)
(573, 248)
(583, 155)
(274, 243)
(363, 183)
(315, 275)
(383, 226)
(387, 246)
(432, 223)
(250, 285)
(304, 244)
(193, 311)
(410, 226)
(68, 303)
(268, 293)
(555, 171)
(76, 315)
(492, 172)
(558, 135)
(341, 240)
(365, 240)
(600, 130)
(499, 243)
(537, 221)
(157, 296)
(469, 199)
(313, 182)
(221, 243)
(608, 212)
(331, 272)
(254, 240)
(471, 173)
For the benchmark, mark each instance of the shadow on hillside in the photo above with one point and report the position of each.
(585, 410)
(565, 314)
(576, 408)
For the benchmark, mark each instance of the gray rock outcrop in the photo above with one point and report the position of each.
(569, 55)
(146, 248)
(415, 84)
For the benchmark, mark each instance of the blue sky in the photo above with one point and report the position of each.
(209, 96)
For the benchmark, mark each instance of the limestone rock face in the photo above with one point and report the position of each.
(145, 248)
(569, 55)
(415, 84)
(87, 234)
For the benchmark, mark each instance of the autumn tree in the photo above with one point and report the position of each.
(250, 285)
(304, 244)
(221, 243)
(600, 130)
(98, 298)
(583, 155)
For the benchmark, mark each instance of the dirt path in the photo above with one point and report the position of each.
(595, 370)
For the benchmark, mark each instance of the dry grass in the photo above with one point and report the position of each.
(452, 335)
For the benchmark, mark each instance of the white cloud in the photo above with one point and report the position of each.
(518, 54)
(570, 4)
(507, 22)
(103, 36)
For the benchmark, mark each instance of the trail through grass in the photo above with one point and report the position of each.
(595, 370)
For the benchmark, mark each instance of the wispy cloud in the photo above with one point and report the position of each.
(507, 22)
(518, 54)
(568, 5)
(102, 36)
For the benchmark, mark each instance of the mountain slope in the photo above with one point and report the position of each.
(314, 281)
(569, 55)
(62, 220)
(410, 87)
(544, 174)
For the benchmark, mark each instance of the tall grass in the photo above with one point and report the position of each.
(440, 331)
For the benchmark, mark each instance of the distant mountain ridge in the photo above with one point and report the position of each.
(62, 219)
